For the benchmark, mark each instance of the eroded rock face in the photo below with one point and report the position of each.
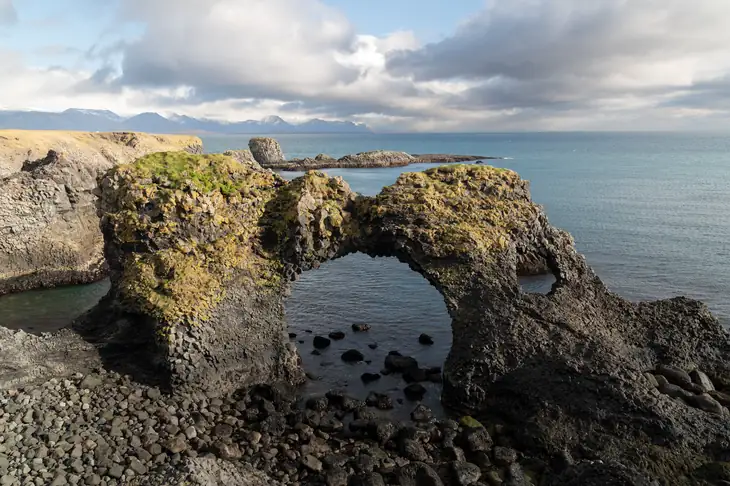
(266, 151)
(201, 257)
(49, 232)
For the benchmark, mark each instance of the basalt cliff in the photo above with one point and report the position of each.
(49, 232)
(576, 387)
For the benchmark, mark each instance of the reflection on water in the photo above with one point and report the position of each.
(537, 284)
(48, 310)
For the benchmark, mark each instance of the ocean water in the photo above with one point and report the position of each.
(651, 212)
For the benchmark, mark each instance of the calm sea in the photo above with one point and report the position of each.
(650, 211)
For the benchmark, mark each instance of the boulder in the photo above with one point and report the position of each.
(49, 230)
(266, 151)
(320, 342)
(701, 379)
(245, 157)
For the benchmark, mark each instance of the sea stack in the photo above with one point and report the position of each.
(202, 249)
(266, 151)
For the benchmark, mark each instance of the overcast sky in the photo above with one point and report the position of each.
(425, 65)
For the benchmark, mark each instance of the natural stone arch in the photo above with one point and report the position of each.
(469, 230)
(201, 250)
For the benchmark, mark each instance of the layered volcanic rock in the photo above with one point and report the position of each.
(202, 248)
(49, 232)
(266, 151)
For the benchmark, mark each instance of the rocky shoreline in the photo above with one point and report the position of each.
(268, 153)
(185, 373)
(104, 429)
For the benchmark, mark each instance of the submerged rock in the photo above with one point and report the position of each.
(320, 342)
(425, 339)
(352, 356)
(369, 377)
(398, 363)
(414, 392)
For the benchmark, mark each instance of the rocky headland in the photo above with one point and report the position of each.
(184, 373)
(49, 231)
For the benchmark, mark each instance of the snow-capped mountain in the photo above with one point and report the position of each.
(105, 120)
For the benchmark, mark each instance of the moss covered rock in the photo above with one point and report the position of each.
(202, 249)
(182, 238)
(49, 232)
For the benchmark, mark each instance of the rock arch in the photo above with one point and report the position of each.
(202, 249)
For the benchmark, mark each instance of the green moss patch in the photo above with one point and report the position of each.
(184, 223)
(204, 173)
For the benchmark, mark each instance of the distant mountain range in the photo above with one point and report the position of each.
(105, 121)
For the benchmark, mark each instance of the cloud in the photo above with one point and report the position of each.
(516, 64)
(260, 48)
(566, 54)
(8, 15)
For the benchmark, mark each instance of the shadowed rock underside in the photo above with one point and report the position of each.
(202, 249)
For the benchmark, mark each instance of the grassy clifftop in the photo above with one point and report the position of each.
(102, 149)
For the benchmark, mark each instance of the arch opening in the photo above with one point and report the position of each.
(396, 302)
(542, 284)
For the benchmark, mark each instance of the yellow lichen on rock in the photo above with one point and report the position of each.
(320, 202)
(191, 220)
(458, 209)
